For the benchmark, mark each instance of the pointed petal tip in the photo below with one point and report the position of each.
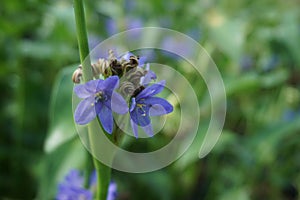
(106, 118)
(134, 127)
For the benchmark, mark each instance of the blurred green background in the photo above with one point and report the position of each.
(256, 46)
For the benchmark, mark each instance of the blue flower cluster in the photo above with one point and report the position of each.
(72, 187)
(132, 79)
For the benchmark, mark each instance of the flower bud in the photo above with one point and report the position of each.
(77, 75)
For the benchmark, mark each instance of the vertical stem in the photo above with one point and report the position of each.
(82, 40)
(103, 172)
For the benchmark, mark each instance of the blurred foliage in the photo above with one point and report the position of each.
(255, 45)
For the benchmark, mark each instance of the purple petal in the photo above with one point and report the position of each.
(72, 187)
(151, 90)
(118, 104)
(134, 23)
(85, 111)
(158, 106)
(109, 84)
(148, 130)
(106, 119)
(91, 86)
(142, 60)
(74, 178)
(81, 91)
(133, 104)
(150, 75)
(134, 127)
(93, 179)
(112, 191)
(98, 107)
(140, 116)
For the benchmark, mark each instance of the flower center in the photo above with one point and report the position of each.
(140, 106)
(100, 96)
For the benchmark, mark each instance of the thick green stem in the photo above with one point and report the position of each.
(103, 172)
(82, 40)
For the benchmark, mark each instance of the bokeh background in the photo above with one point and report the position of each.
(256, 46)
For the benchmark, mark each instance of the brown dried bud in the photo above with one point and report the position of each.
(135, 75)
(77, 75)
(101, 67)
(116, 68)
(127, 88)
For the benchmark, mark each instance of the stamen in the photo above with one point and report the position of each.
(100, 96)
(141, 107)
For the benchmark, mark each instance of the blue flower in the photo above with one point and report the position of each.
(99, 100)
(144, 105)
(72, 188)
(150, 75)
(112, 191)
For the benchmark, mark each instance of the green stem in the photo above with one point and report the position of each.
(82, 40)
(103, 172)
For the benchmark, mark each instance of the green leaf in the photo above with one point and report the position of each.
(266, 142)
(62, 127)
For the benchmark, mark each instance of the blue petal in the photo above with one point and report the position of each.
(98, 107)
(93, 179)
(133, 104)
(91, 86)
(148, 130)
(109, 84)
(73, 178)
(142, 60)
(81, 91)
(106, 119)
(145, 80)
(85, 111)
(158, 106)
(151, 90)
(112, 191)
(118, 104)
(140, 116)
(134, 127)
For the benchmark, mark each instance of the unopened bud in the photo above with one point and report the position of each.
(77, 75)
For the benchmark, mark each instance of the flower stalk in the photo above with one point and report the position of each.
(82, 40)
(103, 172)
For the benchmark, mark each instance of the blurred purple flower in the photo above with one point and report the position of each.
(99, 100)
(72, 188)
(145, 105)
(112, 191)
(130, 23)
(134, 23)
(94, 40)
(111, 26)
(177, 46)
